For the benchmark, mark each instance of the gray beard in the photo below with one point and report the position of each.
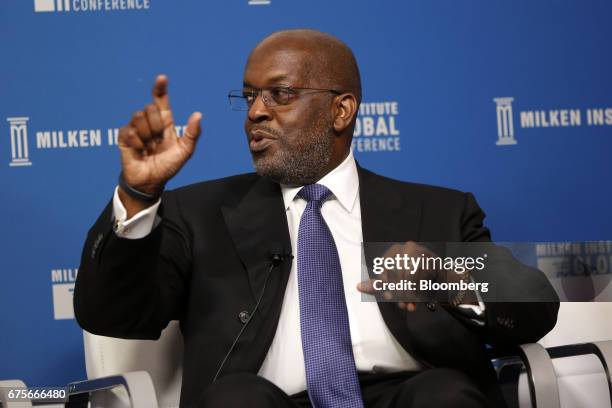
(302, 163)
(297, 169)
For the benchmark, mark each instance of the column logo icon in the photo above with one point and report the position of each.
(41, 6)
(19, 141)
(505, 122)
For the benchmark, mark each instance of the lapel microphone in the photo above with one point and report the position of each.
(277, 255)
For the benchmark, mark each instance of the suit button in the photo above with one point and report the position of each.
(244, 316)
(379, 370)
(431, 306)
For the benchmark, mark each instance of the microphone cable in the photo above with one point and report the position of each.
(275, 259)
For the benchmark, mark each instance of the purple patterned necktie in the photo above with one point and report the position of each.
(331, 375)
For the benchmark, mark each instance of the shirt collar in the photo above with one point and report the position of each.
(342, 181)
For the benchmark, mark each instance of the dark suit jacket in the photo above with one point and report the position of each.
(207, 261)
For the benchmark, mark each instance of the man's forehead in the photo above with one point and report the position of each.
(277, 65)
(279, 77)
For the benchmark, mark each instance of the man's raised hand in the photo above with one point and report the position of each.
(151, 151)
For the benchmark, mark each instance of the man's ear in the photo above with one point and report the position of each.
(345, 109)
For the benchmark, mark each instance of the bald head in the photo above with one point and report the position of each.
(328, 63)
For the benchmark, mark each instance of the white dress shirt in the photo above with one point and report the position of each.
(374, 347)
(373, 343)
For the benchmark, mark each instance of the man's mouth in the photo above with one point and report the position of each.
(260, 140)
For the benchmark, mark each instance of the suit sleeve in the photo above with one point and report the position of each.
(132, 288)
(521, 306)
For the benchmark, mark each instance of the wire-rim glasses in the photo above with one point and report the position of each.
(242, 100)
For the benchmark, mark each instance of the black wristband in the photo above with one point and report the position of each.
(138, 195)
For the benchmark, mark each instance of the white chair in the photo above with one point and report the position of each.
(133, 373)
(569, 367)
(580, 322)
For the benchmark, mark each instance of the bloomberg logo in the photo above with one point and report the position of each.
(66, 6)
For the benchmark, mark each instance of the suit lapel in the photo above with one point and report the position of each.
(388, 216)
(258, 226)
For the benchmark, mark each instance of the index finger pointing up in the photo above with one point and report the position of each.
(160, 93)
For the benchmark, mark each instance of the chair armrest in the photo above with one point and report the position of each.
(540, 375)
(138, 385)
(540, 372)
(604, 353)
(5, 386)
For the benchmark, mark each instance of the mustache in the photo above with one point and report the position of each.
(264, 129)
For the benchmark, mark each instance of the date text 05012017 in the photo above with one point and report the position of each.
(34, 394)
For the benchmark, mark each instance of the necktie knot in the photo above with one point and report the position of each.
(315, 192)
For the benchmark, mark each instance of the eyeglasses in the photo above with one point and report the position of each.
(242, 100)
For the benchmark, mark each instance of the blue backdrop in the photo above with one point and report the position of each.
(508, 99)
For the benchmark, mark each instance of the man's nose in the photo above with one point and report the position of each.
(259, 112)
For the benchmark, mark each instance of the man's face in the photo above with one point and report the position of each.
(292, 144)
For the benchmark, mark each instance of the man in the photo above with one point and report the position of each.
(262, 327)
